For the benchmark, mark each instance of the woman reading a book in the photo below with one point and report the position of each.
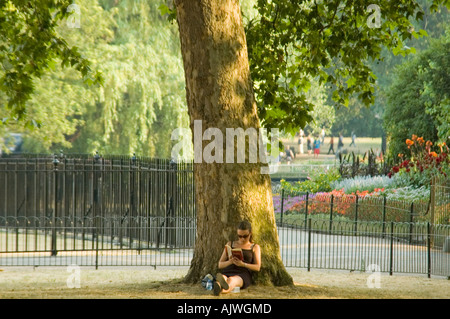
(237, 262)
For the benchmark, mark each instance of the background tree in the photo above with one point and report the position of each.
(322, 114)
(141, 100)
(369, 121)
(418, 102)
(29, 45)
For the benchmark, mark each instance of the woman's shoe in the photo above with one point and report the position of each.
(222, 281)
(216, 288)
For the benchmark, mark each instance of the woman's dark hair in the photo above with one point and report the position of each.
(245, 225)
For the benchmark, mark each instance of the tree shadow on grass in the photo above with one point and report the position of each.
(176, 288)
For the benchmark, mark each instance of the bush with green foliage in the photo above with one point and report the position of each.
(319, 180)
(419, 99)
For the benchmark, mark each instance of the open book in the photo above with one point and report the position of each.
(234, 252)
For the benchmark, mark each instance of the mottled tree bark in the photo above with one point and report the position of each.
(220, 94)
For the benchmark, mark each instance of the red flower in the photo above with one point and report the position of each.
(405, 163)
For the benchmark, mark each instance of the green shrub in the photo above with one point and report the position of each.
(319, 180)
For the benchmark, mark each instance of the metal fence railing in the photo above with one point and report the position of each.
(352, 208)
(357, 245)
(112, 210)
(96, 241)
(310, 243)
(440, 200)
(84, 186)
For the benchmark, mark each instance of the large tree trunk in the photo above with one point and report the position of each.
(220, 94)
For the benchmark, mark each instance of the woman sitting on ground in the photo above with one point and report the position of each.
(238, 273)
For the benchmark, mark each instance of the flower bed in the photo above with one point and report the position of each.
(422, 164)
(402, 196)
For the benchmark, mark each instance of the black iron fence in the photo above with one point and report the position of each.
(100, 211)
(99, 241)
(309, 243)
(358, 246)
(352, 208)
(81, 186)
(101, 193)
(440, 200)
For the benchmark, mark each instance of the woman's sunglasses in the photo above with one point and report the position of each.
(243, 236)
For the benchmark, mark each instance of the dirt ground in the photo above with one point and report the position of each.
(165, 283)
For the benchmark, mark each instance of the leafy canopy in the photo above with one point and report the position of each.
(332, 41)
(140, 101)
(419, 100)
(30, 46)
(290, 43)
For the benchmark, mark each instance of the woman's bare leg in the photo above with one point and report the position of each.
(233, 281)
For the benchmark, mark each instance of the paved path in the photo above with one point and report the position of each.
(358, 253)
(326, 252)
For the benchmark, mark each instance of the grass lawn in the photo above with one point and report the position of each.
(165, 282)
(309, 162)
(363, 144)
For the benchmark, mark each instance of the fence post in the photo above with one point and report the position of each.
(96, 193)
(132, 227)
(331, 212)
(282, 202)
(173, 187)
(96, 245)
(306, 209)
(429, 248)
(121, 219)
(411, 222)
(391, 252)
(432, 204)
(356, 214)
(138, 200)
(384, 216)
(309, 244)
(16, 205)
(55, 205)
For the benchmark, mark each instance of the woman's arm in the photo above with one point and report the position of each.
(224, 261)
(256, 266)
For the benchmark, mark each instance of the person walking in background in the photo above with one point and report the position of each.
(323, 135)
(309, 144)
(289, 155)
(300, 144)
(316, 147)
(331, 145)
(353, 139)
(340, 144)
